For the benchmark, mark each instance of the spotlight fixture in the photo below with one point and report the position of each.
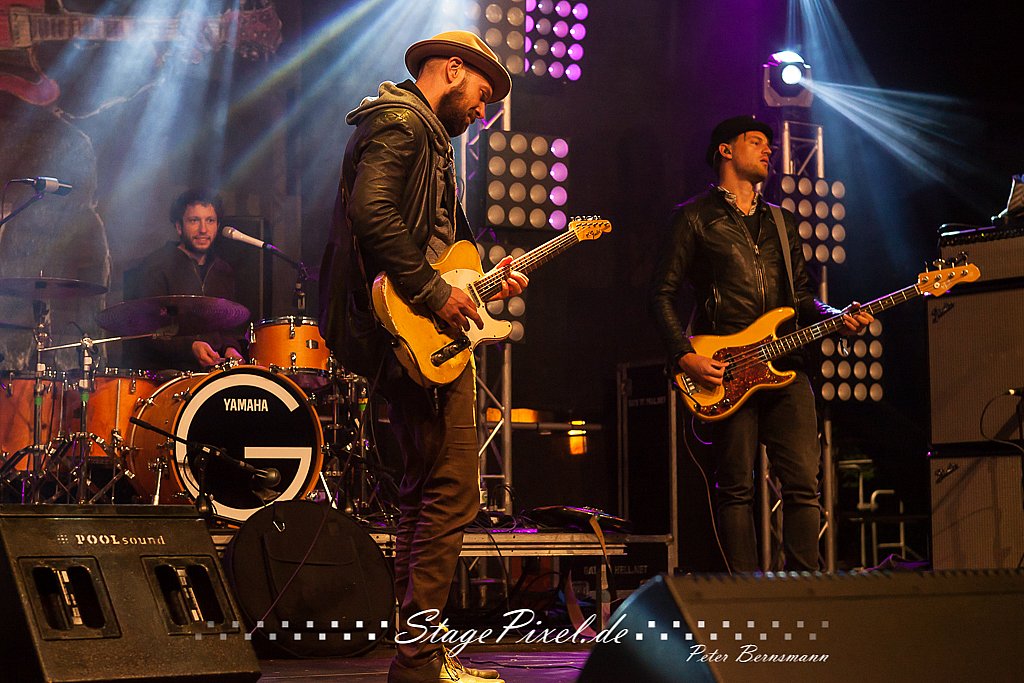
(514, 308)
(820, 212)
(554, 38)
(524, 185)
(786, 75)
(857, 374)
(501, 24)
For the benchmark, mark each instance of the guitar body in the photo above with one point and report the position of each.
(743, 377)
(433, 353)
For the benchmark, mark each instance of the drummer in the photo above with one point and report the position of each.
(188, 265)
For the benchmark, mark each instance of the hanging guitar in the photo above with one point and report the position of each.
(431, 351)
(750, 353)
(24, 24)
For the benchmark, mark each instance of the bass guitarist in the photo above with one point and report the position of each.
(725, 245)
(397, 211)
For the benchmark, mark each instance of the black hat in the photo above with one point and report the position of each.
(730, 128)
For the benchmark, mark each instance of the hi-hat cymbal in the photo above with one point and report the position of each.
(48, 288)
(191, 314)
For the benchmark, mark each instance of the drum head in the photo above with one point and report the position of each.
(315, 579)
(255, 416)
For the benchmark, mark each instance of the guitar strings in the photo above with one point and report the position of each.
(491, 283)
(773, 349)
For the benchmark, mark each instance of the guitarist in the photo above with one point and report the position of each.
(724, 246)
(397, 212)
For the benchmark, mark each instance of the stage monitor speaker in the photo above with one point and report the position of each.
(115, 593)
(977, 512)
(956, 626)
(975, 356)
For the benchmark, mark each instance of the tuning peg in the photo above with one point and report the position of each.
(940, 263)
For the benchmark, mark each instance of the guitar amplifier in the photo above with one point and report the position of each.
(974, 350)
(998, 252)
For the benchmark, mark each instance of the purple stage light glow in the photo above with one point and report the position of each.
(578, 32)
(558, 196)
(529, 25)
(563, 8)
(559, 172)
(531, 5)
(556, 70)
(546, 6)
(528, 44)
(573, 72)
(544, 26)
(575, 51)
(580, 11)
(561, 29)
(558, 220)
(558, 49)
(559, 148)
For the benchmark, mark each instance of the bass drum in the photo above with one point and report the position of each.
(253, 416)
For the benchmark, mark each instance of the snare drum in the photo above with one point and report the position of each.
(253, 415)
(16, 392)
(116, 395)
(292, 344)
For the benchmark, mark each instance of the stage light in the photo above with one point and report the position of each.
(553, 35)
(819, 212)
(503, 25)
(523, 184)
(785, 77)
(514, 308)
(858, 373)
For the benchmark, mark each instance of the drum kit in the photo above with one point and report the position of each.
(231, 440)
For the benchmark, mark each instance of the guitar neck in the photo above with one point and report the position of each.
(794, 340)
(490, 284)
(64, 27)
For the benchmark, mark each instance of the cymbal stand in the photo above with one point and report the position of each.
(41, 334)
(83, 439)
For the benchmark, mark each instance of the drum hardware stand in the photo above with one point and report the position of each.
(83, 439)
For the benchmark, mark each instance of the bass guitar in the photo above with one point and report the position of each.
(430, 350)
(750, 353)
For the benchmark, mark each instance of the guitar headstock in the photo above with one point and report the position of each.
(589, 227)
(253, 33)
(938, 282)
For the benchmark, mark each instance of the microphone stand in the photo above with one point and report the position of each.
(302, 275)
(29, 202)
(198, 455)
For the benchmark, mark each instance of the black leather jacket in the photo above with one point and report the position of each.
(397, 185)
(733, 279)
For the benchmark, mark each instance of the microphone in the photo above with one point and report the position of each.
(45, 184)
(269, 477)
(1015, 391)
(233, 234)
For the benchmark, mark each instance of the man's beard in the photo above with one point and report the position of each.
(451, 111)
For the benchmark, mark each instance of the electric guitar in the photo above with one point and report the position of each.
(430, 350)
(750, 352)
(24, 24)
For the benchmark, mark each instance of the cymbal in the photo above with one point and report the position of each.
(191, 314)
(43, 288)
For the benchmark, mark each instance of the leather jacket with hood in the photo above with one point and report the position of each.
(395, 211)
(734, 278)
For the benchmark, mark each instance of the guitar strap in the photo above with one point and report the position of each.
(780, 224)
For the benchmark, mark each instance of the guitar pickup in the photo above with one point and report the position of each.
(449, 351)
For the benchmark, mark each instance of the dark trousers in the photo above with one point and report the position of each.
(439, 497)
(784, 420)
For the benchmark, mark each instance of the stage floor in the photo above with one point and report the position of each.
(518, 664)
